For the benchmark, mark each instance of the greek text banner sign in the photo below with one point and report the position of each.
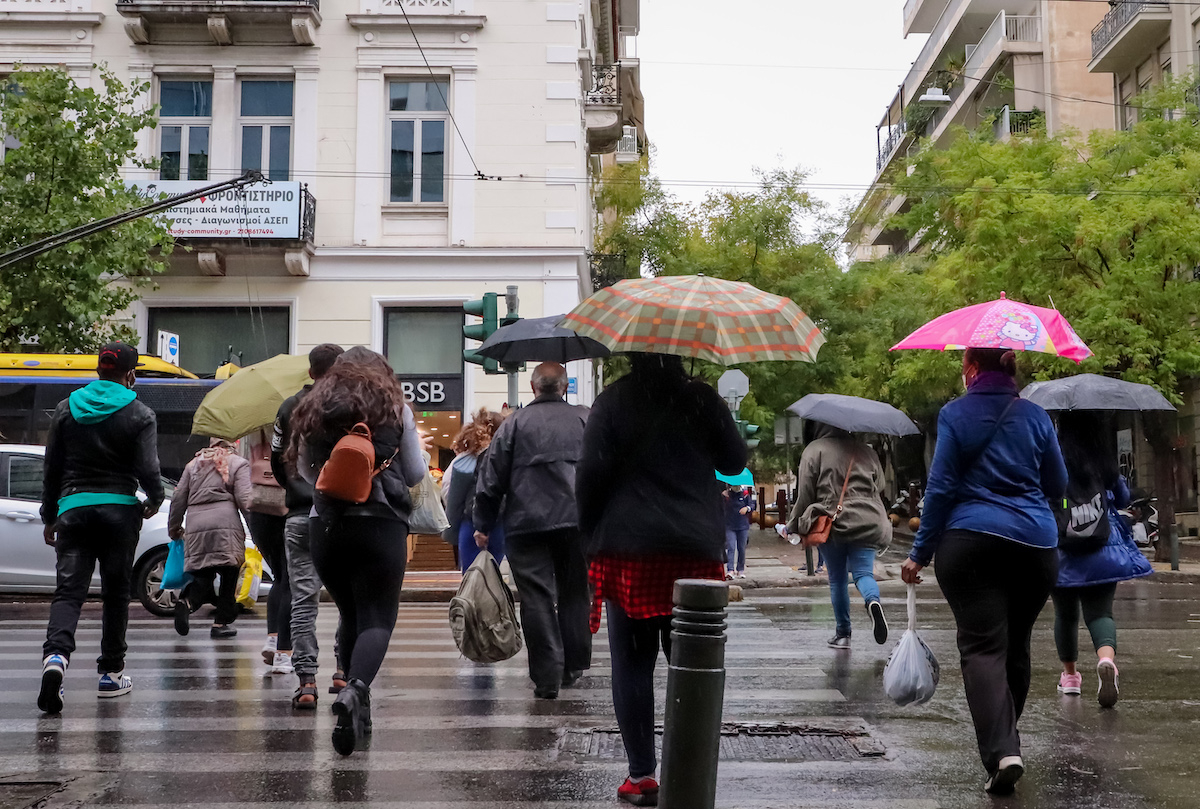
(261, 211)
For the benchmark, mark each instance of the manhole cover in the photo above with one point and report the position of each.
(745, 741)
(24, 794)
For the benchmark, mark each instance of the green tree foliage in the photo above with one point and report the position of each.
(64, 173)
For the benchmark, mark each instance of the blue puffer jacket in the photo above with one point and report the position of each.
(1003, 489)
(1119, 560)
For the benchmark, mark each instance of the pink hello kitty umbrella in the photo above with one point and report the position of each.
(1000, 324)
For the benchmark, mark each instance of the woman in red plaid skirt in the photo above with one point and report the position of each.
(651, 507)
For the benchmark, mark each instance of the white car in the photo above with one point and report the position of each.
(27, 563)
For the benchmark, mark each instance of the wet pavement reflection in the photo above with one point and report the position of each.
(207, 727)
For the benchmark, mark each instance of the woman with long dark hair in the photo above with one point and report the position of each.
(996, 469)
(1087, 582)
(458, 485)
(652, 508)
(359, 550)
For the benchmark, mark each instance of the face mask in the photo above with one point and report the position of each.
(964, 381)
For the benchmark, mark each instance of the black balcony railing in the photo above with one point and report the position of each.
(1117, 18)
(606, 85)
(199, 3)
(606, 269)
(308, 215)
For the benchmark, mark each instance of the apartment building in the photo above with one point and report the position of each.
(419, 153)
(1000, 63)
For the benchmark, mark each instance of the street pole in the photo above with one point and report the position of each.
(1174, 546)
(514, 390)
(695, 695)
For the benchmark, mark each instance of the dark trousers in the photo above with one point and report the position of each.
(361, 560)
(551, 575)
(995, 588)
(267, 532)
(1096, 602)
(202, 590)
(634, 645)
(88, 535)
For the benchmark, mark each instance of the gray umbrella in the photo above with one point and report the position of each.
(854, 414)
(1094, 392)
(540, 339)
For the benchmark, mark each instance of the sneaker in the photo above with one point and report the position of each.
(182, 614)
(1004, 780)
(1106, 670)
(1070, 685)
(729, 575)
(639, 793)
(281, 663)
(268, 649)
(571, 676)
(114, 684)
(547, 692)
(839, 642)
(741, 574)
(220, 631)
(878, 622)
(50, 698)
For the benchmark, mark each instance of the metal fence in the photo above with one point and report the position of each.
(1122, 12)
(606, 85)
(308, 215)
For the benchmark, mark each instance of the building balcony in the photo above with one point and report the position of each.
(227, 22)
(269, 228)
(1128, 34)
(602, 109)
(627, 146)
(920, 16)
(1017, 122)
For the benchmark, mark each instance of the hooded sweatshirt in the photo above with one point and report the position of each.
(102, 446)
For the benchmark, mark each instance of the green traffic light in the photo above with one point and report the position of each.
(487, 310)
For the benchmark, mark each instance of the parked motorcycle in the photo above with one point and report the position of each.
(1141, 516)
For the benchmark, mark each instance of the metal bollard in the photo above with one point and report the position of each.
(1174, 547)
(695, 695)
(808, 562)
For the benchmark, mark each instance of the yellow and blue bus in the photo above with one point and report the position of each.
(32, 385)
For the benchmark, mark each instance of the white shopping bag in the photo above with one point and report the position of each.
(912, 672)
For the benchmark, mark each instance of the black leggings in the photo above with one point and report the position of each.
(267, 532)
(202, 590)
(360, 560)
(634, 645)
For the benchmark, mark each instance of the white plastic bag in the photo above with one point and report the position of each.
(912, 672)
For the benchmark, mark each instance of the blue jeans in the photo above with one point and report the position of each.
(860, 563)
(735, 548)
(467, 550)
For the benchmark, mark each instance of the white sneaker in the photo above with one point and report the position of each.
(281, 663)
(50, 698)
(1004, 780)
(114, 684)
(268, 649)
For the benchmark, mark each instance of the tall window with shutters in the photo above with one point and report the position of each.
(418, 119)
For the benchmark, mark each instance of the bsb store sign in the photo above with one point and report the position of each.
(434, 392)
(261, 211)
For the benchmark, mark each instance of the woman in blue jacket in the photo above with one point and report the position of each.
(739, 502)
(1088, 581)
(987, 518)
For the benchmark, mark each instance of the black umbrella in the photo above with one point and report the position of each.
(540, 339)
(1094, 392)
(854, 414)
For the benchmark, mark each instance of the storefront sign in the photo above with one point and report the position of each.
(434, 392)
(261, 211)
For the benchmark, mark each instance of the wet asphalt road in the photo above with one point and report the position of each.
(205, 728)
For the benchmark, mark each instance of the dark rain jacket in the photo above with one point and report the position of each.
(298, 492)
(647, 481)
(530, 468)
(103, 452)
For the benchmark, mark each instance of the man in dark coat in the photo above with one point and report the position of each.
(530, 466)
(102, 446)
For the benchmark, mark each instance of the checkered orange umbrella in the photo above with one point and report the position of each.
(726, 322)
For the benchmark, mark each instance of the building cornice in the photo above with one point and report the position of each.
(419, 22)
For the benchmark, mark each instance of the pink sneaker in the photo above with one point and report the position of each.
(1106, 671)
(1070, 685)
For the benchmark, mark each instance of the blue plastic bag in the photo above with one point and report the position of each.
(173, 576)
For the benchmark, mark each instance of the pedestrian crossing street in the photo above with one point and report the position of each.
(206, 728)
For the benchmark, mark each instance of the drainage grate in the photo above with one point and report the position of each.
(745, 741)
(25, 794)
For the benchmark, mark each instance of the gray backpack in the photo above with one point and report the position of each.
(483, 616)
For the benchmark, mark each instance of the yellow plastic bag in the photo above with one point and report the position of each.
(251, 578)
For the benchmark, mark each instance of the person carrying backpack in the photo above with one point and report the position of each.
(1088, 572)
(354, 437)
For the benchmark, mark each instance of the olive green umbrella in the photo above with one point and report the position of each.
(250, 398)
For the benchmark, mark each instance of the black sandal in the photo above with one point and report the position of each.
(305, 690)
(339, 682)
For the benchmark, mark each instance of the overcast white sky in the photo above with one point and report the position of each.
(736, 84)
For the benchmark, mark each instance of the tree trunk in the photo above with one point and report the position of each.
(1157, 434)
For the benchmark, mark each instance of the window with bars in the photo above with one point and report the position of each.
(417, 118)
(184, 125)
(266, 123)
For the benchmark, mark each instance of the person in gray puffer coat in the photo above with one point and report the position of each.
(858, 532)
(214, 492)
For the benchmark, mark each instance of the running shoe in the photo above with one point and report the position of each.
(268, 649)
(1070, 685)
(281, 663)
(878, 622)
(1004, 780)
(1108, 692)
(50, 698)
(114, 684)
(639, 793)
(839, 642)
